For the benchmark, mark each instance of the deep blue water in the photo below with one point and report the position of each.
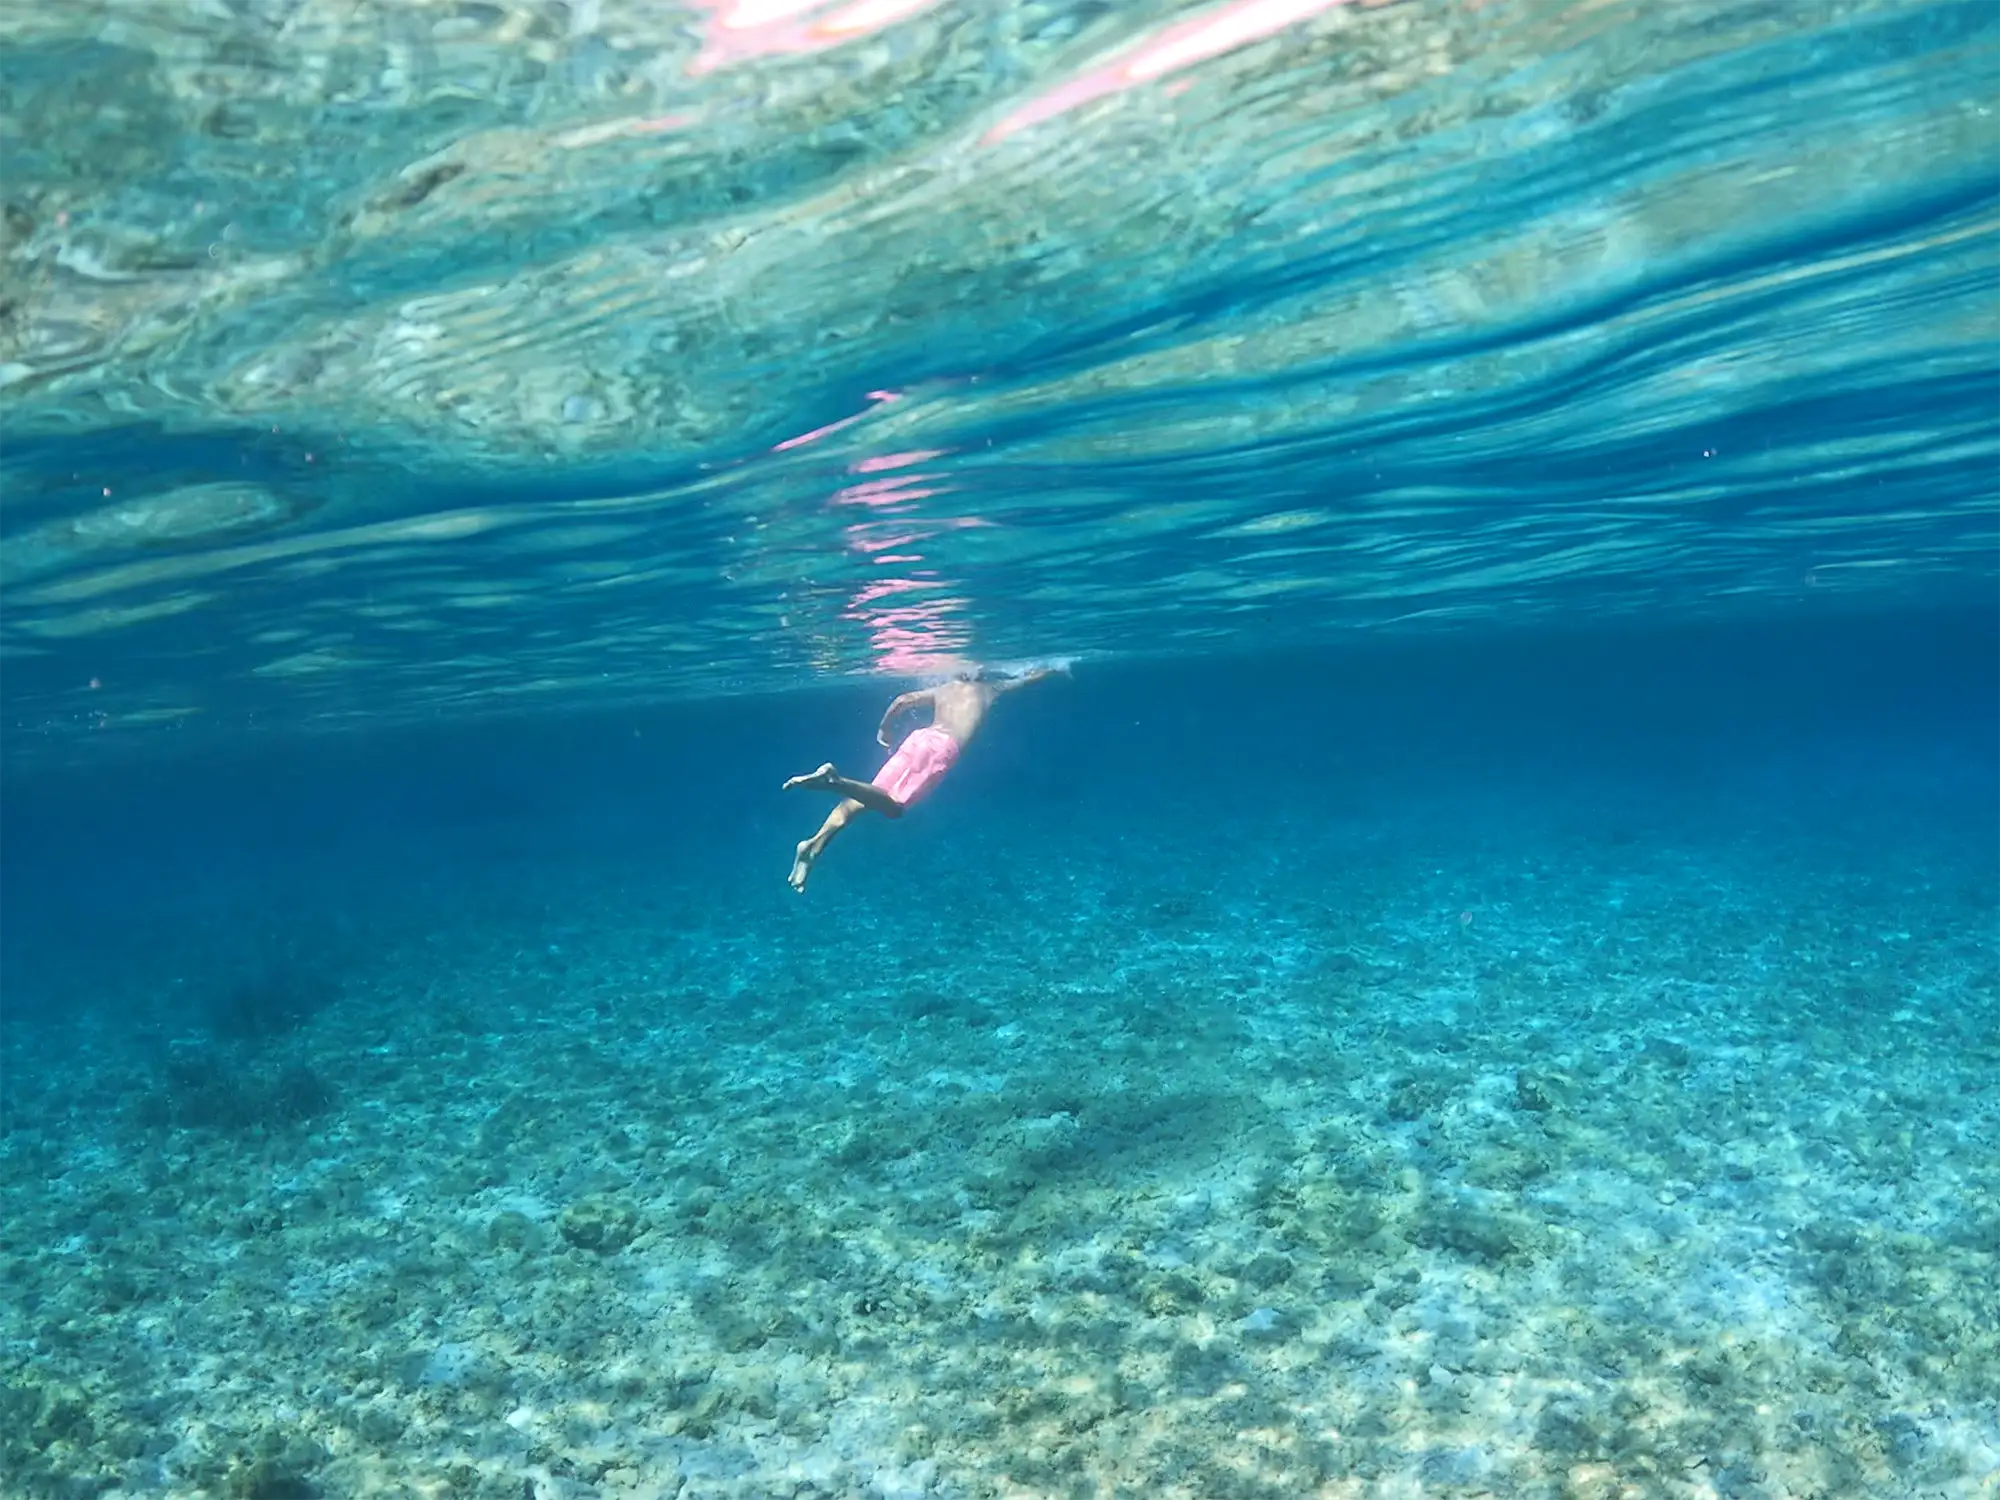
(1627, 732)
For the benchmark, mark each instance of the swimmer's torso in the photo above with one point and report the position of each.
(957, 708)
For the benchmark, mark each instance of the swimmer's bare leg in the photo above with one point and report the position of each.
(811, 849)
(826, 779)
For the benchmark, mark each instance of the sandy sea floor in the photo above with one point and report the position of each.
(1565, 1149)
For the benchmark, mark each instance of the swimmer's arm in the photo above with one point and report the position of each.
(896, 710)
(1009, 684)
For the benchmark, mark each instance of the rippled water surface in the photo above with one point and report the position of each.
(375, 361)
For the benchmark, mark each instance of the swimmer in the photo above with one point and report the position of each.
(919, 763)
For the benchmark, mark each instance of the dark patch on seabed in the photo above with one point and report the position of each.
(1562, 1069)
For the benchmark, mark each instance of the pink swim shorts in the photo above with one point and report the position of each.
(918, 764)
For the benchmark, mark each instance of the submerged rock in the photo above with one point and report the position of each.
(1476, 1233)
(279, 1465)
(600, 1222)
(1413, 1098)
(1665, 1052)
(1531, 1093)
(1266, 1325)
(510, 1229)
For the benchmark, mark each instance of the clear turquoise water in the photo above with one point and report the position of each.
(1482, 980)
(364, 366)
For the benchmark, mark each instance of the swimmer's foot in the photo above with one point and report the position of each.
(802, 864)
(825, 776)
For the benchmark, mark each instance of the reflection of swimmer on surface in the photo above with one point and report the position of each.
(957, 707)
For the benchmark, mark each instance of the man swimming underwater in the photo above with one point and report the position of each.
(918, 764)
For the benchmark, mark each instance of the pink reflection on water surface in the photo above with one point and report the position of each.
(916, 638)
(896, 460)
(1179, 46)
(875, 399)
(740, 30)
(882, 491)
(909, 636)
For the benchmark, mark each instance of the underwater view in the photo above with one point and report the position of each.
(999, 750)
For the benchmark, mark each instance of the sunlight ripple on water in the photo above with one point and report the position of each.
(369, 362)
